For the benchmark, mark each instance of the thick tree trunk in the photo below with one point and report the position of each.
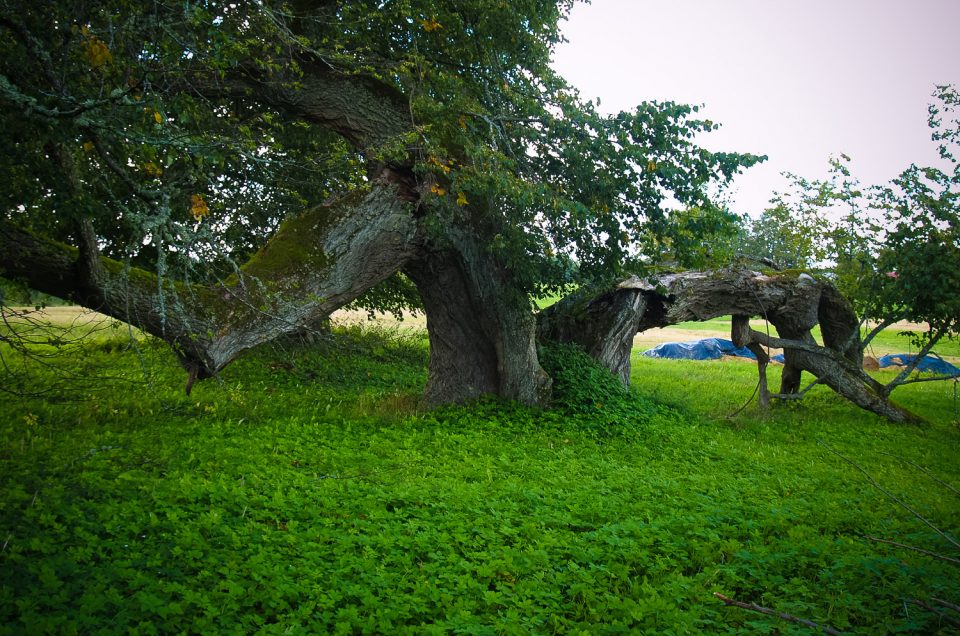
(839, 325)
(482, 332)
(463, 360)
(600, 323)
(364, 110)
(604, 325)
(324, 258)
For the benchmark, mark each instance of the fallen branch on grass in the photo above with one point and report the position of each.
(915, 549)
(931, 608)
(947, 604)
(770, 612)
(924, 471)
(893, 497)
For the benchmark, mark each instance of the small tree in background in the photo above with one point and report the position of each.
(894, 249)
(790, 234)
(917, 270)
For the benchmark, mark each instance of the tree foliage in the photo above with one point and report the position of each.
(893, 249)
(898, 246)
(156, 109)
(112, 124)
(788, 234)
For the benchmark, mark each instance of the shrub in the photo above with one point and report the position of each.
(593, 398)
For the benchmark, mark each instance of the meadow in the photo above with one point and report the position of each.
(306, 490)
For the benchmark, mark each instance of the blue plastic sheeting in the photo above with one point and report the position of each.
(706, 349)
(779, 358)
(928, 364)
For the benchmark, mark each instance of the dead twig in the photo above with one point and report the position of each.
(892, 496)
(927, 606)
(947, 604)
(924, 471)
(753, 607)
(915, 549)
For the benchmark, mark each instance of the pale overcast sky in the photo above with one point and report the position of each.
(796, 80)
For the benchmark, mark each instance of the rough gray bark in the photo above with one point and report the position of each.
(463, 360)
(600, 323)
(329, 255)
(364, 110)
(841, 375)
(604, 325)
(482, 333)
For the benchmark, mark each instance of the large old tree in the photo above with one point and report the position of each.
(221, 173)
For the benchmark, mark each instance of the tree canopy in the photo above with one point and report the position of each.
(252, 166)
(201, 125)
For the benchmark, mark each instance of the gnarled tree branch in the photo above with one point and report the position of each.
(329, 255)
(794, 304)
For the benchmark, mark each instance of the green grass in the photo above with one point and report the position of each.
(714, 389)
(891, 341)
(306, 491)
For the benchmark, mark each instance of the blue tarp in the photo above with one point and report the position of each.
(706, 349)
(929, 364)
(714, 348)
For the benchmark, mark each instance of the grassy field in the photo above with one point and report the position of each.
(306, 491)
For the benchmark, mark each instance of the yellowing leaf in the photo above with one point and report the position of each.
(437, 190)
(463, 122)
(96, 51)
(88, 146)
(430, 25)
(152, 169)
(433, 160)
(198, 207)
(651, 166)
(462, 199)
(157, 117)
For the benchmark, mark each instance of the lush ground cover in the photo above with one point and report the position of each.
(306, 491)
